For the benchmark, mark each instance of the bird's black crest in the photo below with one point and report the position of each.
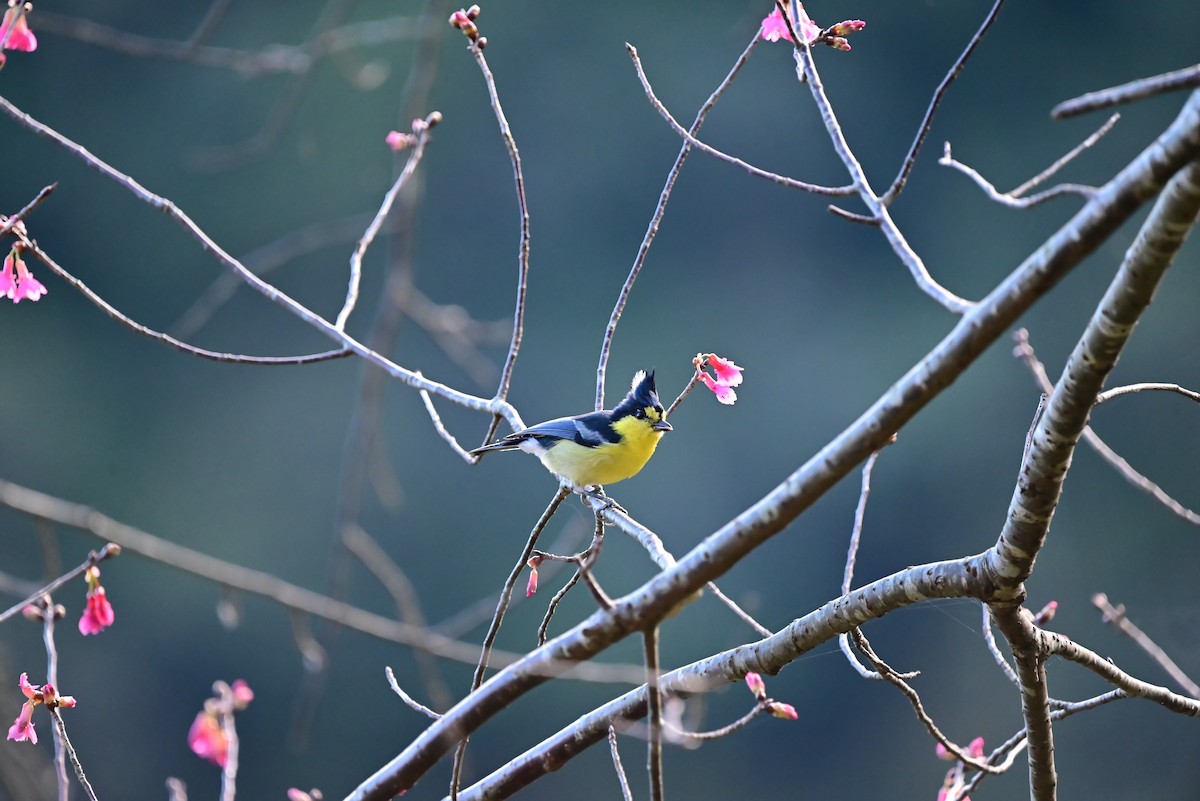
(642, 393)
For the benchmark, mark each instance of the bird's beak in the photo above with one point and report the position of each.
(661, 425)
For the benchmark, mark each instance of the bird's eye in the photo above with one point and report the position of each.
(640, 414)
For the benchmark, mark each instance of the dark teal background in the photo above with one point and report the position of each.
(243, 463)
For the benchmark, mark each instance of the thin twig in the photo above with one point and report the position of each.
(691, 384)
(408, 603)
(270, 59)
(1115, 615)
(74, 757)
(49, 617)
(333, 14)
(167, 339)
(1129, 389)
(656, 219)
(894, 678)
(493, 631)
(1014, 199)
(272, 293)
(262, 584)
(737, 610)
(208, 24)
(229, 769)
(653, 713)
(724, 731)
(94, 558)
(408, 699)
(996, 196)
(1128, 92)
(1058, 644)
(514, 156)
(1067, 157)
(385, 208)
(1025, 352)
(782, 180)
(851, 556)
(891, 232)
(927, 123)
(10, 222)
(626, 793)
(989, 638)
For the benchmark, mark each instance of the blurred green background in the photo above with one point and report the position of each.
(244, 463)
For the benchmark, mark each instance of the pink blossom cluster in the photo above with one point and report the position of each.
(22, 728)
(98, 614)
(727, 376)
(16, 29)
(16, 282)
(207, 737)
(775, 27)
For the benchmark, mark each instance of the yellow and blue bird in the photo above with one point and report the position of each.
(598, 447)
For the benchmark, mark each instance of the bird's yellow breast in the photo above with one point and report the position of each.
(606, 463)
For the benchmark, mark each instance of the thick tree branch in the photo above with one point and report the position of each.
(1045, 465)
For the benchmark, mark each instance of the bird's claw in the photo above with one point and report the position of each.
(596, 492)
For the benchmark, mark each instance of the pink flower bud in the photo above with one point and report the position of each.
(756, 685)
(785, 711)
(242, 694)
(1046, 614)
(975, 749)
(847, 27)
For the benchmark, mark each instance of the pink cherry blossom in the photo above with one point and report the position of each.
(775, 28)
(24, 285)
(207, 740)
(27, 285)
(21, 37)
(99, 613)
(22, 728)
(8, 284)
(727, 372)
(724, 392)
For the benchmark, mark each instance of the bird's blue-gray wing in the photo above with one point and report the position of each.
(585, 429)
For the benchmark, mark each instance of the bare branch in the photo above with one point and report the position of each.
(8, 223)
(408, 699)
(656, 219)
(360, 250)
(1115, 615)
(265, 585)
(267, 60)
(791, 183)
(1128, 92)
(1024, 351)
(1116, 392)
(1017, 627)
(1044, 467)
(654, 713)
(851, 556)
(806, 65)
(1014, 198)
(133, 325)
(894, 678)
(322, 325)
(1136, 688)
(923, 129)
